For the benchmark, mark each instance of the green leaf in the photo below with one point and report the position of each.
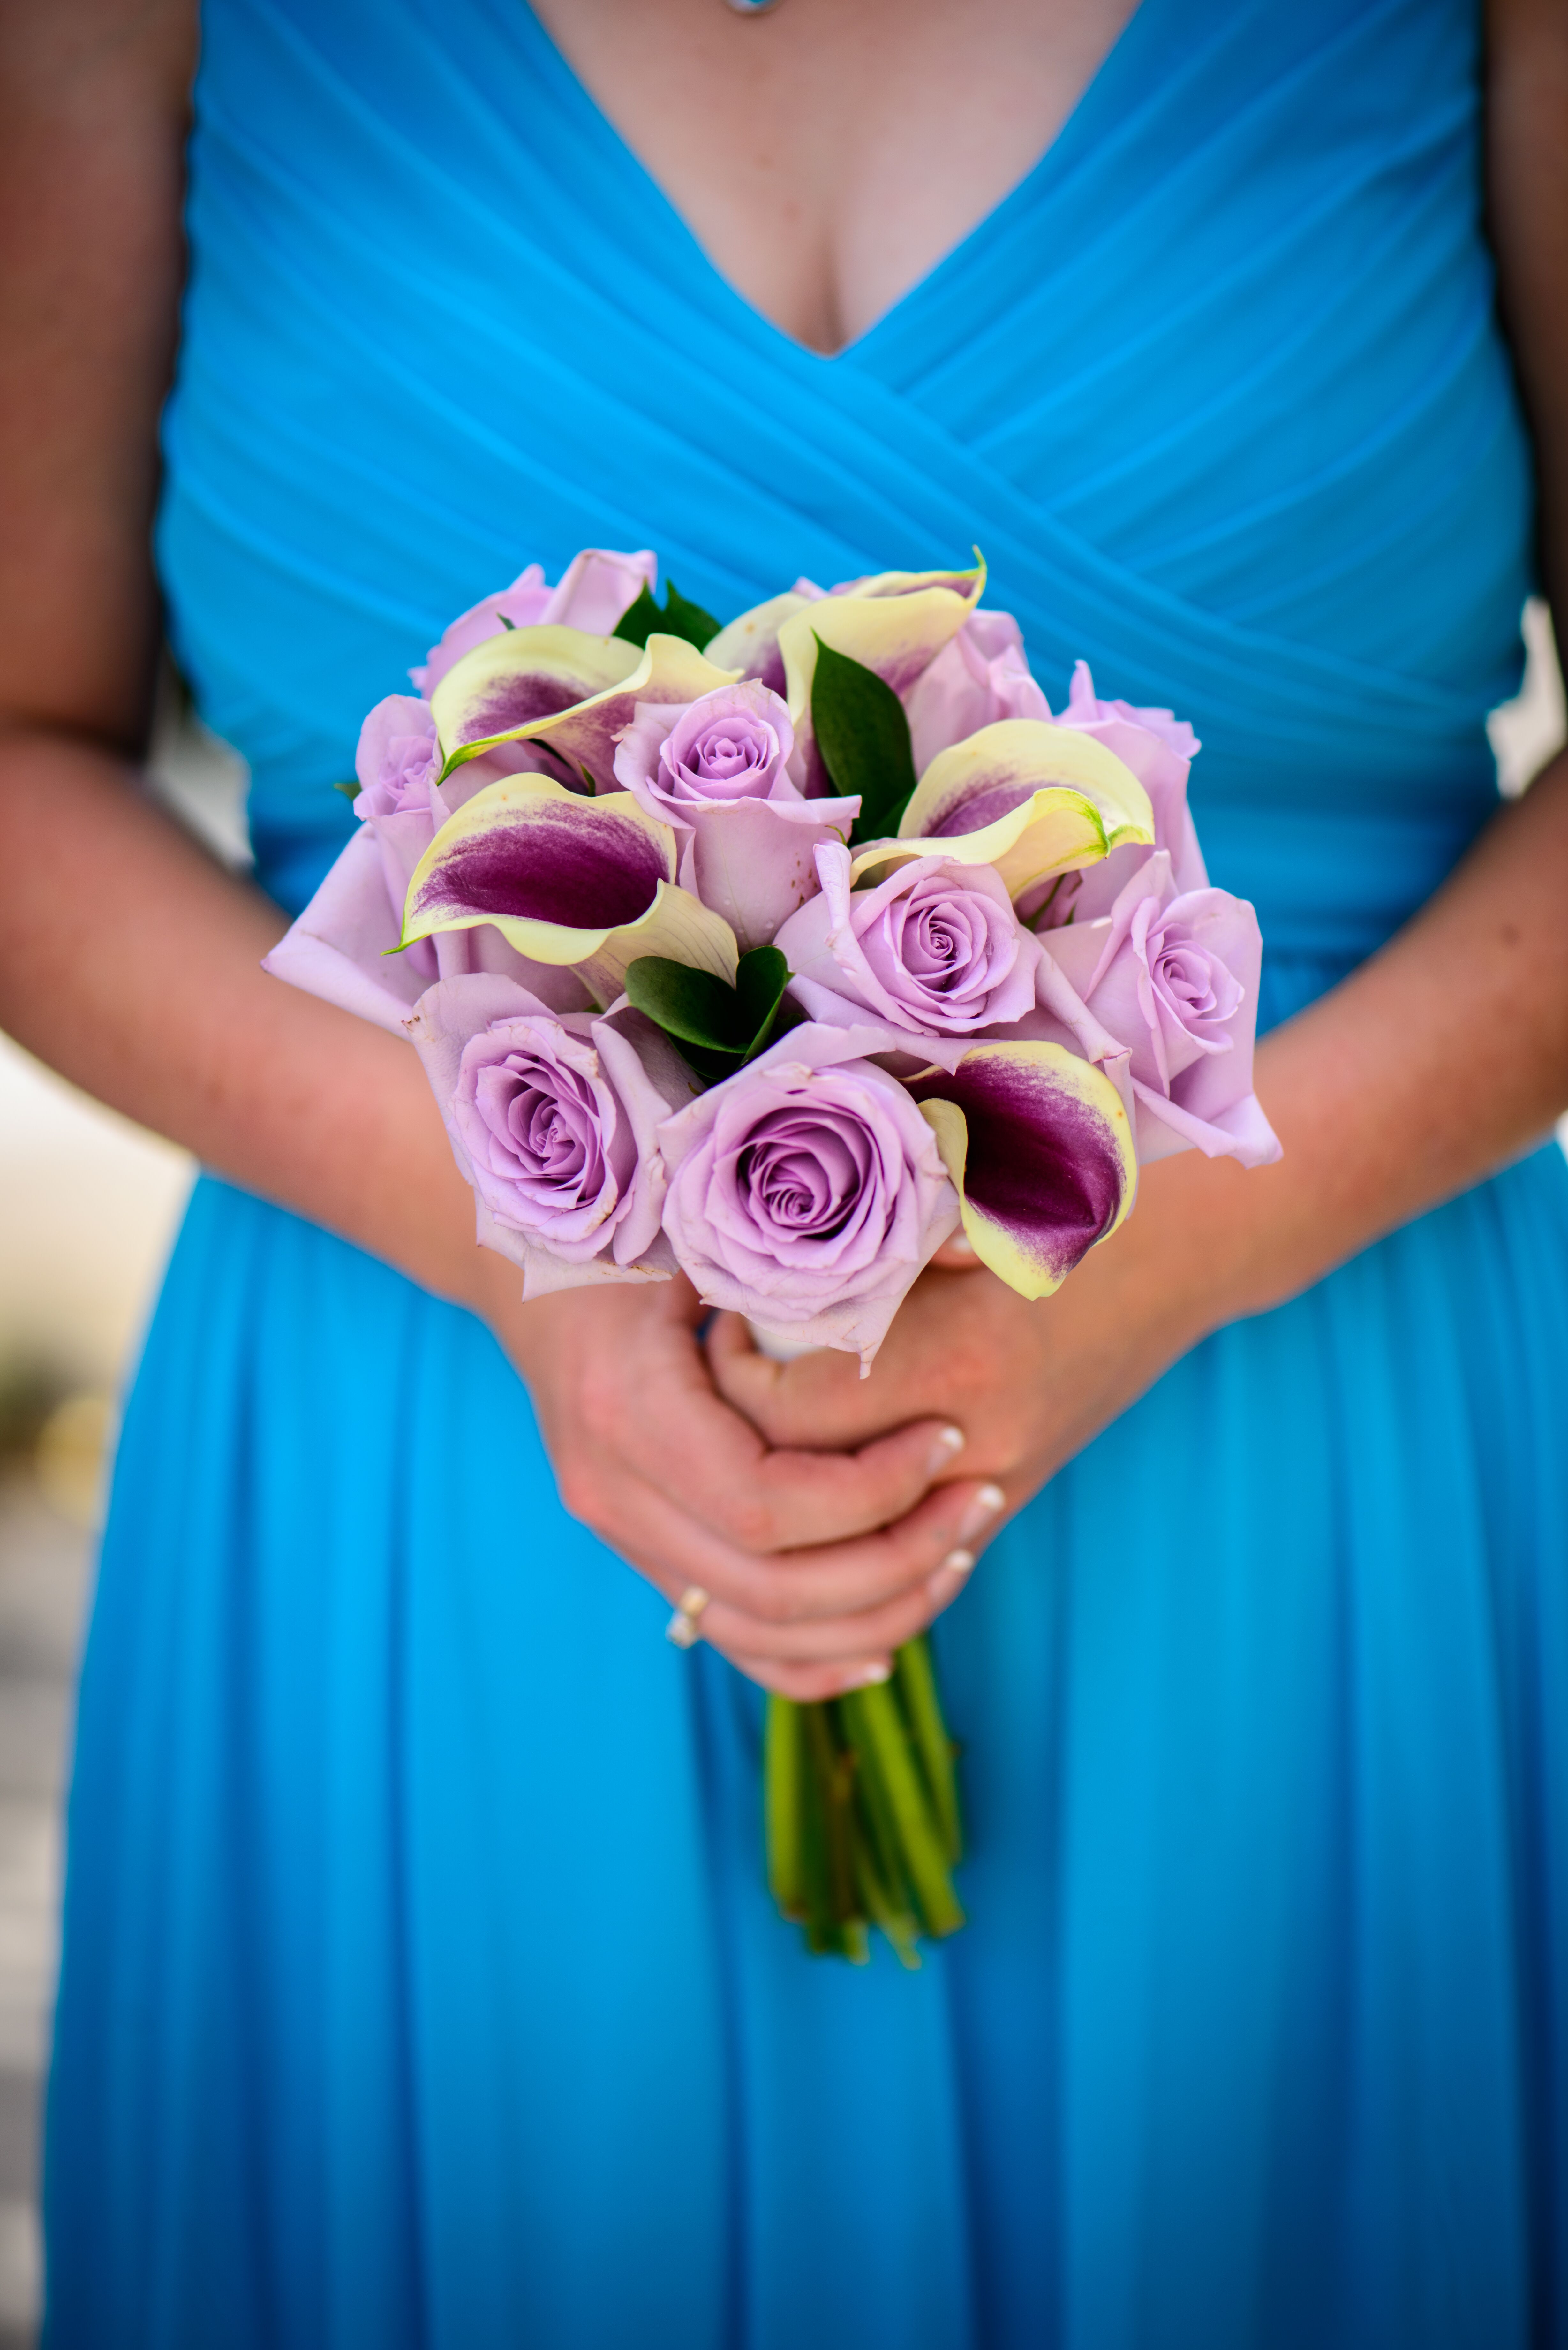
(349, 791)
(717, 1028)
(864, 738)
(504, 621)
(679, 619)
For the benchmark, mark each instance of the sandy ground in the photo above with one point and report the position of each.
(88, 1207)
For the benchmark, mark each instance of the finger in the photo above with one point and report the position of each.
(796, 1404)
(808, 1684)
(841, 1638)
(712, 1464)
(840, 1581)
(662, 1415)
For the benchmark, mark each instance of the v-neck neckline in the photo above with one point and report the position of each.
(946, 264)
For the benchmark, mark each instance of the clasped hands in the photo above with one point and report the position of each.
(829, 1517)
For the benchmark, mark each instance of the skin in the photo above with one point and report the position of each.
(829, 1517)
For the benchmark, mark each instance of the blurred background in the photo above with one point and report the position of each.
(88, 1207)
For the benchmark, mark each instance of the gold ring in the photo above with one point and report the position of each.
(683, 1627)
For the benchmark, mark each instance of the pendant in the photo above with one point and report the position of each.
(752, 8)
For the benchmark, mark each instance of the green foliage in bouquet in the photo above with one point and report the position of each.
(864, 738)
(862, 1814)
(679, 619)
(716, 1028)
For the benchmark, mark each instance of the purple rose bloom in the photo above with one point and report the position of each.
(594, 591)
(807, 1191)
(979, 679)
(1159, 749)
(553, 1122)
(1173, 975)
(678, 758)
(936, 949)
(715, 769)
(397, 759)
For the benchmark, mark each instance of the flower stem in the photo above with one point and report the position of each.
(861, 1810)
(879, 1728)
(917, 1684)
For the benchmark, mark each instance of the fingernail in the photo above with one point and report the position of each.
(869, 1677)
(962, 1243)
(950, 1440)
(956, 1561)
(984, 1506)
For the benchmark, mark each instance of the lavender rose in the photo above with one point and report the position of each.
(553, 1119)
(1173, 975)
(680, 758)
(397, 758)
(977, 679)
(715, 770)
(807, 1191)
(936, 949)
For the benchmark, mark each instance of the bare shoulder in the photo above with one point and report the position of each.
(97, 93)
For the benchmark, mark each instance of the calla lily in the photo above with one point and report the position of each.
(571, 692)
(1039, 1145)
(751, 643)
(566, 879)
(895, 623)
(1028, 797)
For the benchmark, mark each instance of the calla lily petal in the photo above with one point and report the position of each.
(566, 879)
(895, 623)
(1040, 1148)
(572, 693)
(1029, 797)
(509, 684)
(750, 642)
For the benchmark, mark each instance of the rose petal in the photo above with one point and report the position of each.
(753, 862)
(1040, 1146)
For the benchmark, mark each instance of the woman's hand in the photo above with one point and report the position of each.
(1030, 1383)
(819, 1560)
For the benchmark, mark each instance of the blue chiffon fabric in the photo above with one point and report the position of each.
(419, 1984)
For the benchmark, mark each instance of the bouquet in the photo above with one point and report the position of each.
(778, 953)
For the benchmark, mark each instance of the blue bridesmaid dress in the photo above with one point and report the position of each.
(421, 1990)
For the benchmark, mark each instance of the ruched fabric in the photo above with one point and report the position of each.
(420, 1985)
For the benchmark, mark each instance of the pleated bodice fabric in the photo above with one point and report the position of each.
(420, 1985)
(1217, 390)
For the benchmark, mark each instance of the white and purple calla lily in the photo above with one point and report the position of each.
(934, 949)
(553, 1120)
(1030, 798)
(716, 771)
(1040, 1148)
(750, 643)
(1174, 975)
(895, 623)
(565, 691)
(566, 879)
(344, 946)
(1160, 748)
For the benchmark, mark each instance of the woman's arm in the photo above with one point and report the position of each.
(130, 961)
(1436, 1062)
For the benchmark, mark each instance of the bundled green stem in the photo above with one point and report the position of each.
(862, 1812)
